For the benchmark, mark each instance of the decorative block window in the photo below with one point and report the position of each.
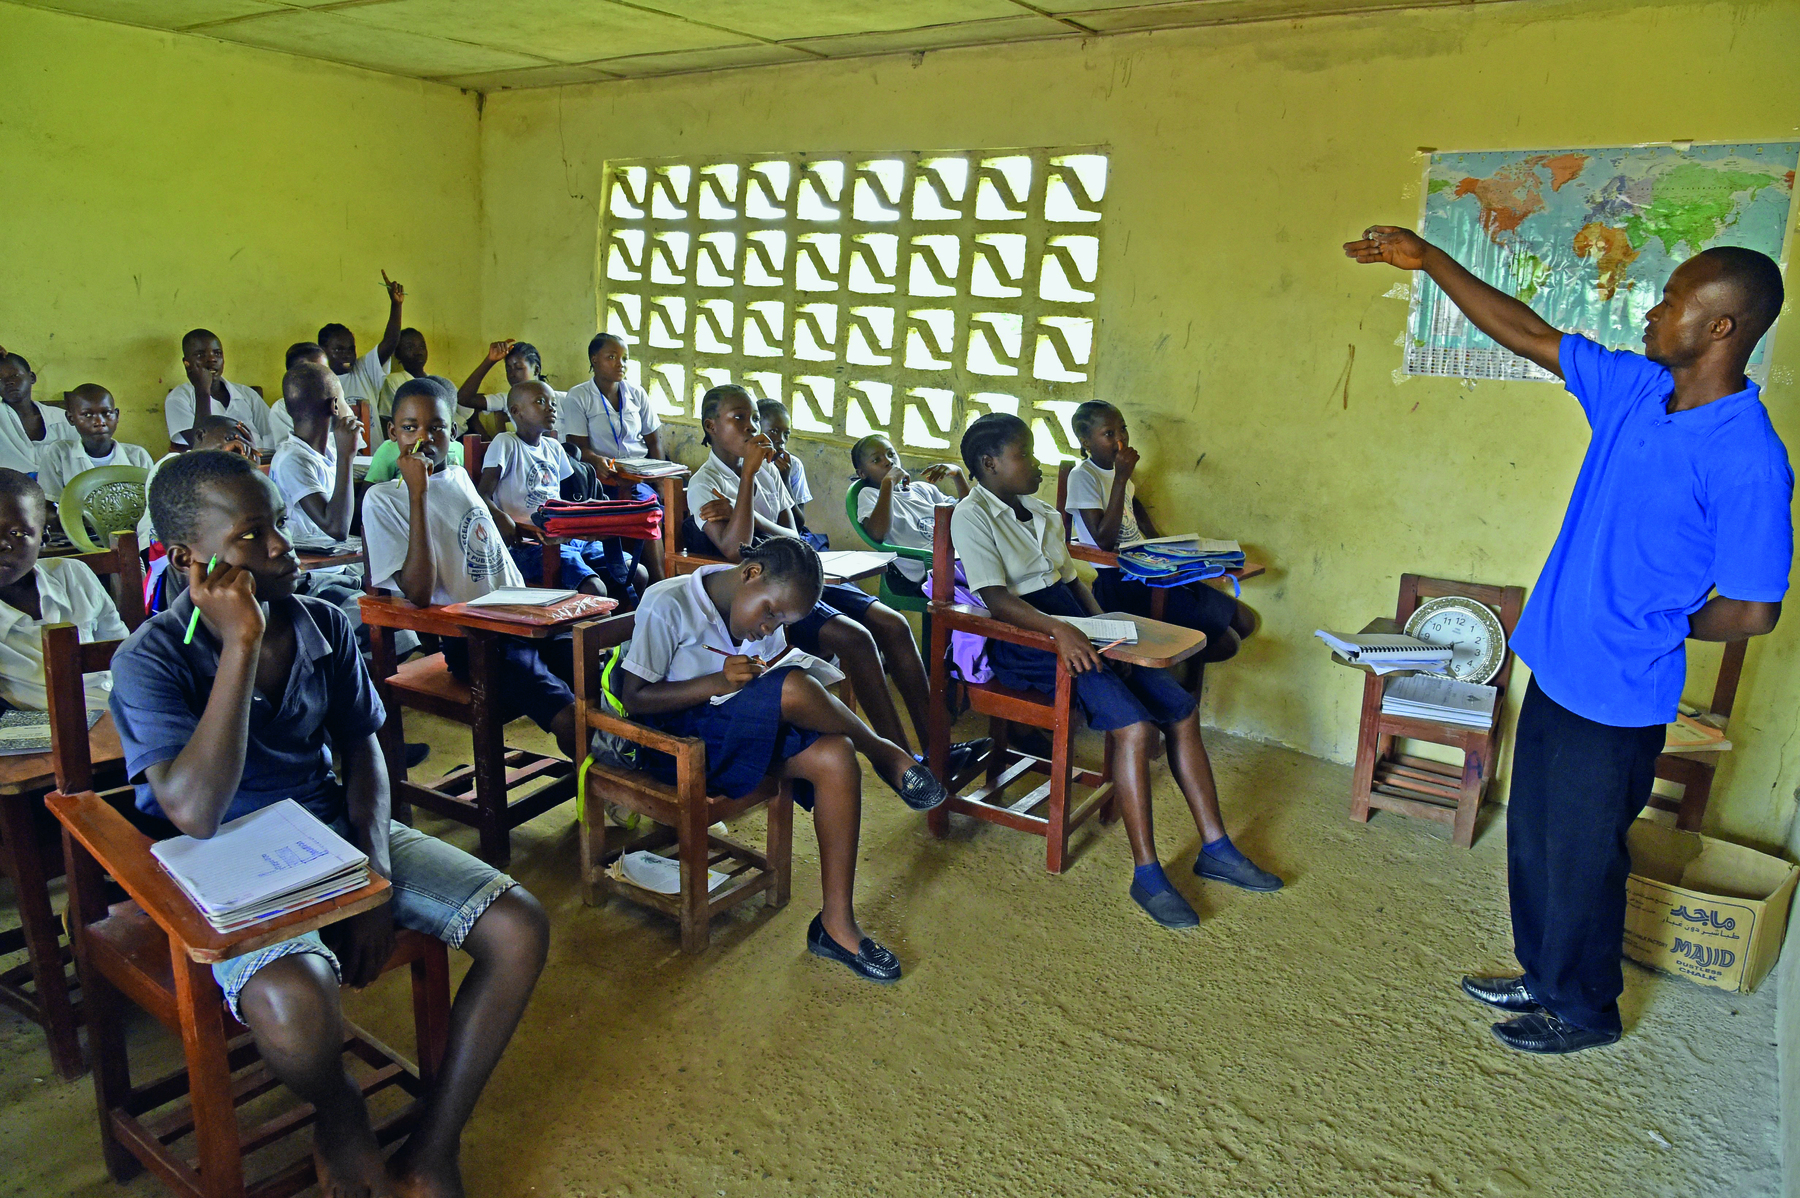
(904, 293)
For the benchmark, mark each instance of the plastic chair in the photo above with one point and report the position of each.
(899, 602)
(110, 498)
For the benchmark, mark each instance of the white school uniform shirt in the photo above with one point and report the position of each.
(18, 451)
(299, 470)
(467, 555)
(676, 621)
(999, 549)
(61, 461)
(147, 530)
(771, 493)
(244, 405)
(68, 592)
(611, 433)
(1091, 487)
(796, 481)
(912, 520)
(529, 474)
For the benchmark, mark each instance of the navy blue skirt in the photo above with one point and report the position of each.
(1109, 699)
(745, 739)
(1195, 605)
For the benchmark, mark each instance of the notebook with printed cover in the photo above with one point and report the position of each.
(572, 606)
(277, 859)
(23, 732)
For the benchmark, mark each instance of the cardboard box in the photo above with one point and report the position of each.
(1706, 909)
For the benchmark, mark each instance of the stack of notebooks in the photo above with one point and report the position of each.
(1442, 700)
(1386, 652)
(537, 605)
(649, 467)
(273, 861)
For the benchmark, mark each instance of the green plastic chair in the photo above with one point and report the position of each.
(107, 499)
(898, 602)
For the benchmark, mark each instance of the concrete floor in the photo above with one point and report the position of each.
(1049, 1040)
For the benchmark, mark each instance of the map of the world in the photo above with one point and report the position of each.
(1586, 237)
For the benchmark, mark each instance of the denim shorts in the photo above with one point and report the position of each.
(439, 890)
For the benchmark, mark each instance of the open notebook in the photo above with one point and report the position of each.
(277, 859)
(1103, 631)
(822, 671)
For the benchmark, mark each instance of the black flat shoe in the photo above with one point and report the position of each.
(1244, 874)
(1509, 994)
(870, 960)
(415, 753)
(966, 754)
(1546, 1035)
(1166, 907)
(920, 789)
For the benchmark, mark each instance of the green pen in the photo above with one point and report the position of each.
(194, 620)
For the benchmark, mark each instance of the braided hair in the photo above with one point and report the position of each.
(1086, 417)
(788, 560)
(709, 405)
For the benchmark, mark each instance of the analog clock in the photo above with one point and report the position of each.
(1472, 631)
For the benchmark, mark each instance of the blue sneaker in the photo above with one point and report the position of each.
(1166, 907)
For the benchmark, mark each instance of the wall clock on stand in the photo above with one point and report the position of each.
(1472, 631)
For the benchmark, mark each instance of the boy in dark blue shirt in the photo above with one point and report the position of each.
(249, 713)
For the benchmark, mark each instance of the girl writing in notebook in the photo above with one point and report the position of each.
(719, 633)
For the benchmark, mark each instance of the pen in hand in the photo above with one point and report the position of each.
(194, 620)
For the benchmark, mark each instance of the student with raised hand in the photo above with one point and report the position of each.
(26, 427)
(431, 537)
(1017, 560)
(410, 355)
(522, 471)
(91, 410)
(312, 465)
(1106, 513)
(714, 633)
(740, 499)
(253, 711)
(360, 377)
(523, 365)
(897, 509)
(207, 392)
(1679, 528)
(35, 592)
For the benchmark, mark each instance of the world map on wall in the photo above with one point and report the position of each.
(1586, 237)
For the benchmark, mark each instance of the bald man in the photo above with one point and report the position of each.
(1679, 527)
(312, 465)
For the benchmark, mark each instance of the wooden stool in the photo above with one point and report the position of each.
(683, 813)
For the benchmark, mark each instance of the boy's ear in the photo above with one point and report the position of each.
(752, 571)
(180, 557)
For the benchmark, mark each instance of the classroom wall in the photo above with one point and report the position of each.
(1241, 158)
(159, 182)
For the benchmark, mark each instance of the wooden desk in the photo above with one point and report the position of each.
(320, 561)
(872, 571)
(31, 863)
(1158, 646)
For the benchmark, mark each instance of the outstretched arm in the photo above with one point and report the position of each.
(390, 336)
(469, 394)
(1507, 320)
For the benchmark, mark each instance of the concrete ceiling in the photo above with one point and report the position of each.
(489, 45)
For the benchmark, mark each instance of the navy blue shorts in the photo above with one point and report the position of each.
(1108, 699)
(529, 684)
(745, 739)
(528, 555)
(1195, 606)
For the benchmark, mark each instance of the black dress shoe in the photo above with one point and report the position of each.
(1166, 907)
(1546, 1035)
(1509, 994)
(920, 789)
(966, 754)
(870, 960)
(415, 753)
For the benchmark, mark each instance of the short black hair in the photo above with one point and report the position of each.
(1087, 416)
(25, 489)
(434, 385)
(217, 422)
(175, 491)
(988, 435)
(304, 383)
(526, 351)
(1756, 279)
(302, 349)
(787, 560)
(327, 332)
(412, 332)
(10, 356)
(598, 341)
(767, 408)
(193, 335)
(709, 405)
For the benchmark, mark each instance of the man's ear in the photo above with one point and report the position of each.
(1723, 327)
(180, 557)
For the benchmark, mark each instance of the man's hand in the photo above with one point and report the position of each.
(498, 350)
(201, 378)
(1076, 651)
(740, 671)
(1124, 462)
(364, 943)
(415, 468)
(396, 293)
(226, 597)
(717, 510)
(1390, 244)
(347, 432)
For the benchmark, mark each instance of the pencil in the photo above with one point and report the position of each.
(770, 664)
(1114, 645)
(194, 620)
(721, 652)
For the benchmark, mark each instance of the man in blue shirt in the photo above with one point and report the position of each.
(1679, 528)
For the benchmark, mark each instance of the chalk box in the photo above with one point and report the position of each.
(1709, 910)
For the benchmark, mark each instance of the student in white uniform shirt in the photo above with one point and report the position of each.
(26, 428)
(34, 593)
(362, 378)
(777, 423)
(523, 365)
(203, 357)
(311, 468)
(608, 416)
(215, 432)
(895, 508)
(410, 355)
(524, 469)
(430, 536)
(94, 415)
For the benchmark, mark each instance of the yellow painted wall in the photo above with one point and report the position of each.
(1241, 158)
(156, 182)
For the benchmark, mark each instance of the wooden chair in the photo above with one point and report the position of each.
(1694, 771)
(125, 567)
(1005, 706)
(1416, 786)
(676, 558)
(156, 949)
(474, 454)
(683, 812)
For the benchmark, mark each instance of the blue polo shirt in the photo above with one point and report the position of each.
(160, 689)
(1667, 507)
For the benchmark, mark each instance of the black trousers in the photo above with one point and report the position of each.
(1577, 786)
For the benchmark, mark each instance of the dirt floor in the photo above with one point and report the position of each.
(1049, 1040)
